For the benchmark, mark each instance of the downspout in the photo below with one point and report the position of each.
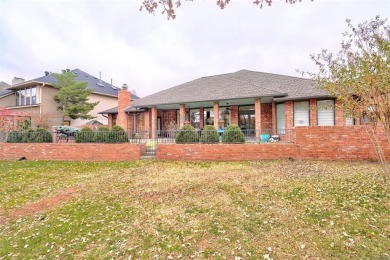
(40, 98)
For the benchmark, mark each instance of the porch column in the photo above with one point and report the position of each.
(258, 116)
(273, 117)
(201, 117)
(154, 122)
(234, 115)
(313, 112)
(182, 115)
(216, 114)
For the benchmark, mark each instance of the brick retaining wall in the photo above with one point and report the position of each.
(70, 151)
(315, 142)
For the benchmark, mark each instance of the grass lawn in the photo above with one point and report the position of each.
(172, 210)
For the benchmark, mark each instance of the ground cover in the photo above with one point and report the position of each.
(173, 210)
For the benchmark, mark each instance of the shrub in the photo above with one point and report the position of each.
(43, 136)
(209, 135)
(233, 134)
(86, 135)
(14, 137)
(187, 134)
(28, 136)
(39, 135)
(118, 135)
(102, 135)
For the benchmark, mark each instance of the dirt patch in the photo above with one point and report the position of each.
(41, 205)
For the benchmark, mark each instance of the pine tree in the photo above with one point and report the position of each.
(72, 97)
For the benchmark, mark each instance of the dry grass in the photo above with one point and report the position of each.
(149, 209)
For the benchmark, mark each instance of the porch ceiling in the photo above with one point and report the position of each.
(222, 103)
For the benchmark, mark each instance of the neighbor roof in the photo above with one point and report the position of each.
(240, 84)
(4, 85)
(98, 86)
(5, 92)
(114, 110)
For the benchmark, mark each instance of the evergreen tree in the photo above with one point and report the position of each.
(72, 97)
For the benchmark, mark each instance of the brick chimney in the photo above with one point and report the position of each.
(124, 101)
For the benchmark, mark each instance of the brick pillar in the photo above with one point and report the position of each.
(313, 112)
(339, 113)
(234, 114)
(154, 121)
(147, 120)
(258, 116)
(273, 117)
(110, 121)
(216, 114)
(124, 101)
(201, 117)
(182, 115)
(289, 114)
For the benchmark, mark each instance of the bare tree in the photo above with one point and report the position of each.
(359, 76)
(169, 6)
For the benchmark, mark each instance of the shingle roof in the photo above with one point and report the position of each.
(98, 86)
(5, 92)
(114, 110)
(4, 85)
(240, 84)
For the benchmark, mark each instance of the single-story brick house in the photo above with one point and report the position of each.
(255, 101)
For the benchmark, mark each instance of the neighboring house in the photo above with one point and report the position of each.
(36, 97)
(255, 101)
(4, 85)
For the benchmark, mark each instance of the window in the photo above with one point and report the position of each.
(26, 96)
(208, 116)
(349, 121)
(280, 119)
(301, 113)
(195, 118)
(224, 117)
(325, 112)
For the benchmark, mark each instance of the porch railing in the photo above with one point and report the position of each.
(160, 136)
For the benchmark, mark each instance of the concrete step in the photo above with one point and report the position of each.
(148, 157)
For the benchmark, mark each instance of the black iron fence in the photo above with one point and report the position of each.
(150, 137)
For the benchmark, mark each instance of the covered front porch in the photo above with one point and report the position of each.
(253, 115)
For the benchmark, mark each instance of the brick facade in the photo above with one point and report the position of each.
(313, 112)
(289, 114)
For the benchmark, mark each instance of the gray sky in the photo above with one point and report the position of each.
(150, 53)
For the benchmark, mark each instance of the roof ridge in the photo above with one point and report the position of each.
(254, 85)
(269, 73)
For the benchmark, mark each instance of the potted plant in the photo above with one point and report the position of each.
(264, 137)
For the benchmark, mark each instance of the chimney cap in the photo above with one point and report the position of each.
(124, 86)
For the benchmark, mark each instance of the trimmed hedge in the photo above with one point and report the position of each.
(118, 135)
(86, 135)
(209, 135)
(187, 134)
(233, 134)
(40, 135)
(103, 135)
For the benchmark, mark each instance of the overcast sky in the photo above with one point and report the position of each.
(150, 53)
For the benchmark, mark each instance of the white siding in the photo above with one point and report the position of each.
(280, 118)
(325, 112)
(301, 113)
